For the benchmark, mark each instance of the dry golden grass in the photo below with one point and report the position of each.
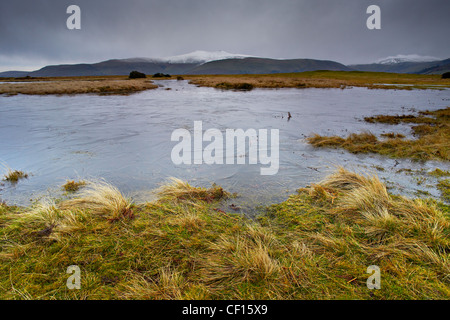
(239, 259)
(321, 79)
(77, 85)
(313, 79)
(44, 211)
(167, 285)
(396, 225)
(99, 197)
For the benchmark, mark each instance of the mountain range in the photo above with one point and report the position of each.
(221, 62)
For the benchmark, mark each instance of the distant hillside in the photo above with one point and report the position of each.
(433, 67)
(221, 62)
(111, 68)
(265, 66)
(14, 74)
(241, 65)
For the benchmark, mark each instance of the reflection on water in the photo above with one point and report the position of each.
(126, 139)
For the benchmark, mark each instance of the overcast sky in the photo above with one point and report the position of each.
(33, 33)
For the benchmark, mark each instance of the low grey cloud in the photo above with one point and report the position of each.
(34, 33)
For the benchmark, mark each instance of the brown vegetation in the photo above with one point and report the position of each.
(312, 79)
(433, 142)
(15, 175)
(323, 79)
(77, 85)
(73, 186)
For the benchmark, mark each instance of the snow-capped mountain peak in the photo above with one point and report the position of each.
(406, 58)
(200, 56)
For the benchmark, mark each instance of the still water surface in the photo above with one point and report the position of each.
(127, 139)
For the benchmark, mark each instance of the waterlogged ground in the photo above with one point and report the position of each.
(126, 139)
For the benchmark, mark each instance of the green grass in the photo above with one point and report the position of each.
(439, 173)
(315, 245)
(444, 187)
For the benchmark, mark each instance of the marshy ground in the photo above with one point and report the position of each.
(313, 79)
(315, 245)
(430, 128)
(322, 79)
(430, 141)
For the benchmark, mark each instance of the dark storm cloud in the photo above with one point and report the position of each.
(34, 32)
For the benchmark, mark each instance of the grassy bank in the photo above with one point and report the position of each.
(76, 85)
(430, 128)
(315, 245)
(322, 79)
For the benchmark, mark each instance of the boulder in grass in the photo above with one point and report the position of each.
(136, 75)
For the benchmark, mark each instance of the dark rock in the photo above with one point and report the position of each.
(161, 75)
(137, 75)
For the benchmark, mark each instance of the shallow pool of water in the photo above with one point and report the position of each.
(127, 139)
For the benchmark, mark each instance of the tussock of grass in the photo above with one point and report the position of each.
(73, 186)
(315, 245)
(45, 211)
(433, 142)
(168, 285)
(392, 135)
(179, 190)
(15, 175)
(101, 198)
(243, 258)
(244, 86)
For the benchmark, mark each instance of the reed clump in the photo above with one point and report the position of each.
(179, 190)
(73, 186)
(14, 176)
